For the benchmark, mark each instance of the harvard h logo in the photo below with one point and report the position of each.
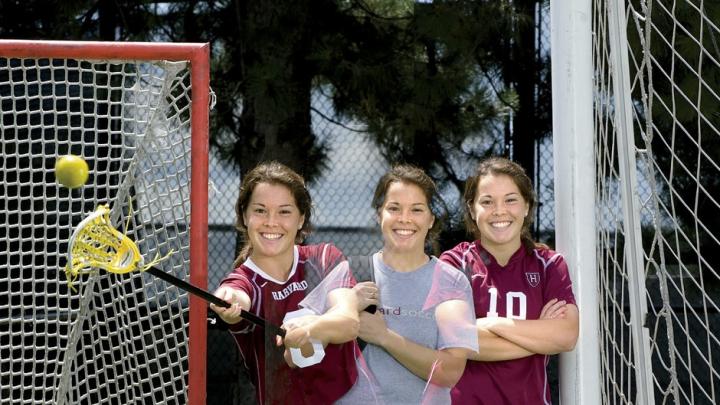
(533, 279)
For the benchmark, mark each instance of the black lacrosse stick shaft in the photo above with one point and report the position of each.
(213, 299)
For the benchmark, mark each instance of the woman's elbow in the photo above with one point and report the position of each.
(448, 376)
(573, 330)
(349, 330)
(448, 380)
(567, 343)
(569, 331)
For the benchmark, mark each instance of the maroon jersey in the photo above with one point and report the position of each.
(517, 290)
(275, 382)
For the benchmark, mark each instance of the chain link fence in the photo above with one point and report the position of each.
(342, 215)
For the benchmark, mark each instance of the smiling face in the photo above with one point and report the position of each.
(405, 219)
(272, 219)
(499, 211)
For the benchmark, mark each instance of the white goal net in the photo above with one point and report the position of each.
(121, 339)
(657, 136)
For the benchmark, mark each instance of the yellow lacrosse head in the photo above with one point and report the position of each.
(96, 244)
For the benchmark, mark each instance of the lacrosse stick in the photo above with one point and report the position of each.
(95, 243)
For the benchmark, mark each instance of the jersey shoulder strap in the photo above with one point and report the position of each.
(362, 268)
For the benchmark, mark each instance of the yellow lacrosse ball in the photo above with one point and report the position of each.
(71, 171)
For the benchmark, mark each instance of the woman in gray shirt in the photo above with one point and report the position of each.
(424, 326)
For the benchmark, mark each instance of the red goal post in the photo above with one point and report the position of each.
(19, 315)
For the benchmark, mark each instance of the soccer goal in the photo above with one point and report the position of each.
(138, 114)
(655, 91)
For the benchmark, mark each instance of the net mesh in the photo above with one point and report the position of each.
(672, 97)
(120, 338)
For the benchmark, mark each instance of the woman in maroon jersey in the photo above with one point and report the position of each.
(271, 278)
(522, 291)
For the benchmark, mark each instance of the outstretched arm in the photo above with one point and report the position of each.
(239, 300)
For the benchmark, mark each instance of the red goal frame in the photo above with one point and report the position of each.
(198, 54)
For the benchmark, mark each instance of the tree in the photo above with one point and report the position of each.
(436, 83)
(264, 64)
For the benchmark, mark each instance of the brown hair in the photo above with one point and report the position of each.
(277, 174)
(409, 174)
(501, 166)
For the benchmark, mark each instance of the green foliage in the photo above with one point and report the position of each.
(430, 85)
(431, 80)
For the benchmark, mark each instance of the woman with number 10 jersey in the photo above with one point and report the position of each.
(272, 276)
(522, 291)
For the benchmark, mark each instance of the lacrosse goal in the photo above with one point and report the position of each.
(653, 70)
(138, 114)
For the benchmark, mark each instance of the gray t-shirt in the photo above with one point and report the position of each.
(408, 302)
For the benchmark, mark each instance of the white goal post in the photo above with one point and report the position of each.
(138, 114)
(571, 57)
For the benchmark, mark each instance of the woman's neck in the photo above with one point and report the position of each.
(501, 252)
(403, 261)
(278, 267)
